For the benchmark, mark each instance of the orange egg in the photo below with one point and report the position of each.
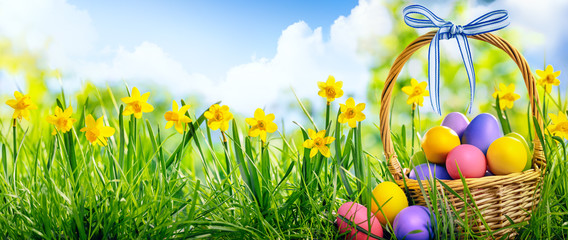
(438, 142)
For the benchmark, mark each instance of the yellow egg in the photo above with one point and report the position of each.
(506, 155)
(388, 191)
(438, 142)
(519, 137)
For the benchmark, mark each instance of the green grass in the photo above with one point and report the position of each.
(157, 184)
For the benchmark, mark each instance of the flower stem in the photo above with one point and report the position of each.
(413, 130)
(327, 109)
(15, 153)
(227, 160)
(226, 148)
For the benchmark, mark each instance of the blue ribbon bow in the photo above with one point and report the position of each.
(489, 22)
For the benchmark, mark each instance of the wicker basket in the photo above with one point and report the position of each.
(514, 195)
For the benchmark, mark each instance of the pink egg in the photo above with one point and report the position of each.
(469, 158)
(353, 222)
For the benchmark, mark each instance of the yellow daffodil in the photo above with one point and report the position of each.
(318, 142)
(330, 89)
(559, 126)
(177, 117)
(507, 95)
(351, 113)
(218, 117)
(261, 124)
(61, 120)
(96, 132)
(21, 105)
(547, 78)
(137, 104)
(416, 93)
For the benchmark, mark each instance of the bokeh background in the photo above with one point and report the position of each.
(250, 54)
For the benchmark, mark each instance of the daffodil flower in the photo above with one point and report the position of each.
(416, 93)
(507, 95)
(137, 104)
(330, 89)
(548, 78)
(318, 142)
(21, 105)
(96, 132)
(351, 113)
(177, 117)
(261, 124)
(61, 120)
(218, 117)
(559, 126)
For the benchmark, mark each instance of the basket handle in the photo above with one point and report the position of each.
(539, 161)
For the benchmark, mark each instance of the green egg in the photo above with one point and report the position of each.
(417, 159)
(529, 153)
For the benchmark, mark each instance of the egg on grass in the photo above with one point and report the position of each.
(353, 222)
(414, 223)
(391, 200)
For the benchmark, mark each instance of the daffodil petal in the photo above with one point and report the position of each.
(308, 143)
(259, 114)
(271, 127)
(313, 152)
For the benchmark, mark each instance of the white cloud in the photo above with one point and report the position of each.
(55, 26)
(146, 63)
(303, 57)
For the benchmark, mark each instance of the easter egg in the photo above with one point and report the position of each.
(414, 223)
(388, 191)
(470, 160)
(482, 131)
(418, 158)
(506, 155)
(488, 173)
(438, 142)
(353, 222)
(457, 122)
(426, 170)
(529, 154)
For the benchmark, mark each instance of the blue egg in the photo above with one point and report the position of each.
(426, 170)
(414, 223)
(457, 122)
(482, 131)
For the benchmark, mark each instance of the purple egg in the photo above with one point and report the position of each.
(482, 131)
(425, 170)
(488, 173)
(457, 122)
(414, 218)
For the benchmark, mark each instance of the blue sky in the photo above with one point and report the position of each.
(207, 36)
(245, 53)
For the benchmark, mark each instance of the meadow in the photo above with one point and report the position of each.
(119, 162)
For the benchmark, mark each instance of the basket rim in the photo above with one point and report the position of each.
(492, 180)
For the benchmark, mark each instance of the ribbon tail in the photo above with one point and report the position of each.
(434, 73)
(468, 63)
